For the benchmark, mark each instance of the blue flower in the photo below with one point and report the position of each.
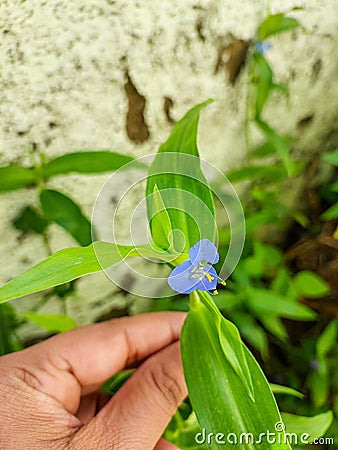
(263, 46)
(197, 272)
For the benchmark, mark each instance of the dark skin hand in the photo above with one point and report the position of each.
(49, 392)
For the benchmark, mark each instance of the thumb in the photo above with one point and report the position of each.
(139, 412)
(165, 445)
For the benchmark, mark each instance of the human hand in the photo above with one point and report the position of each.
(50, 396)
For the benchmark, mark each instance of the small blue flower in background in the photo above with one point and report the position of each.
(197, 272)
(315, 365)
(263, 46)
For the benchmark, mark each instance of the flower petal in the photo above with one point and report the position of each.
(263, 46)
(206, 284)
(179, 279)
(203, 251)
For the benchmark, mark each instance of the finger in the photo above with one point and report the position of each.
(143, 406)
(165, 445)
(62, 365)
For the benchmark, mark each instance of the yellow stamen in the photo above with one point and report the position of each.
(210, 278)
(215, 292)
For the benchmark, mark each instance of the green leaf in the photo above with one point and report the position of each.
(263, 82)
(233, 349)
(301, 218)
(29, 219)
(264, 262)
(71, 263)
(8, 323)
(310, 285)
(251, 331)
(65, 212)
(278, 389)
(331, 213)
(226, 300)
(327, 340)
(334, 187)
(16, 177)
(273, 324)
(175, 303)
(281, 145)
(319, 385)
(182, 432)
(51, 322)
(263, 301)
(160, 224)
(275, 24)
(271, 173)
(263, 150)
(218, 395)
(315, 426)
(331, 158)
(240, 275)
(114, 383)
(177, 173)
(281, 281)
(85, 162)
(260, 218)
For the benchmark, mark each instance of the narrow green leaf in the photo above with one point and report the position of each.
(331, 158)
(16, 177)
(271, 173)
(266, 302)
(273, 324)
(263, 82)
(71, 263)
(275, 24)
(233, 349)
(301, 218)
(85, 162)
(281, 144)
(65, 212)
(263, 150)
(251, 331)
(278, 389)
(160, 224)
(319, 384)
(281, 281)
(218, 395)
(315, 426)
(114, 383)
(331, 213)
(176, 171)
(328, 339)
(310, 284)
(260, 218)
(51, 322)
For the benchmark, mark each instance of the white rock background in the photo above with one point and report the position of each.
(64, 69)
